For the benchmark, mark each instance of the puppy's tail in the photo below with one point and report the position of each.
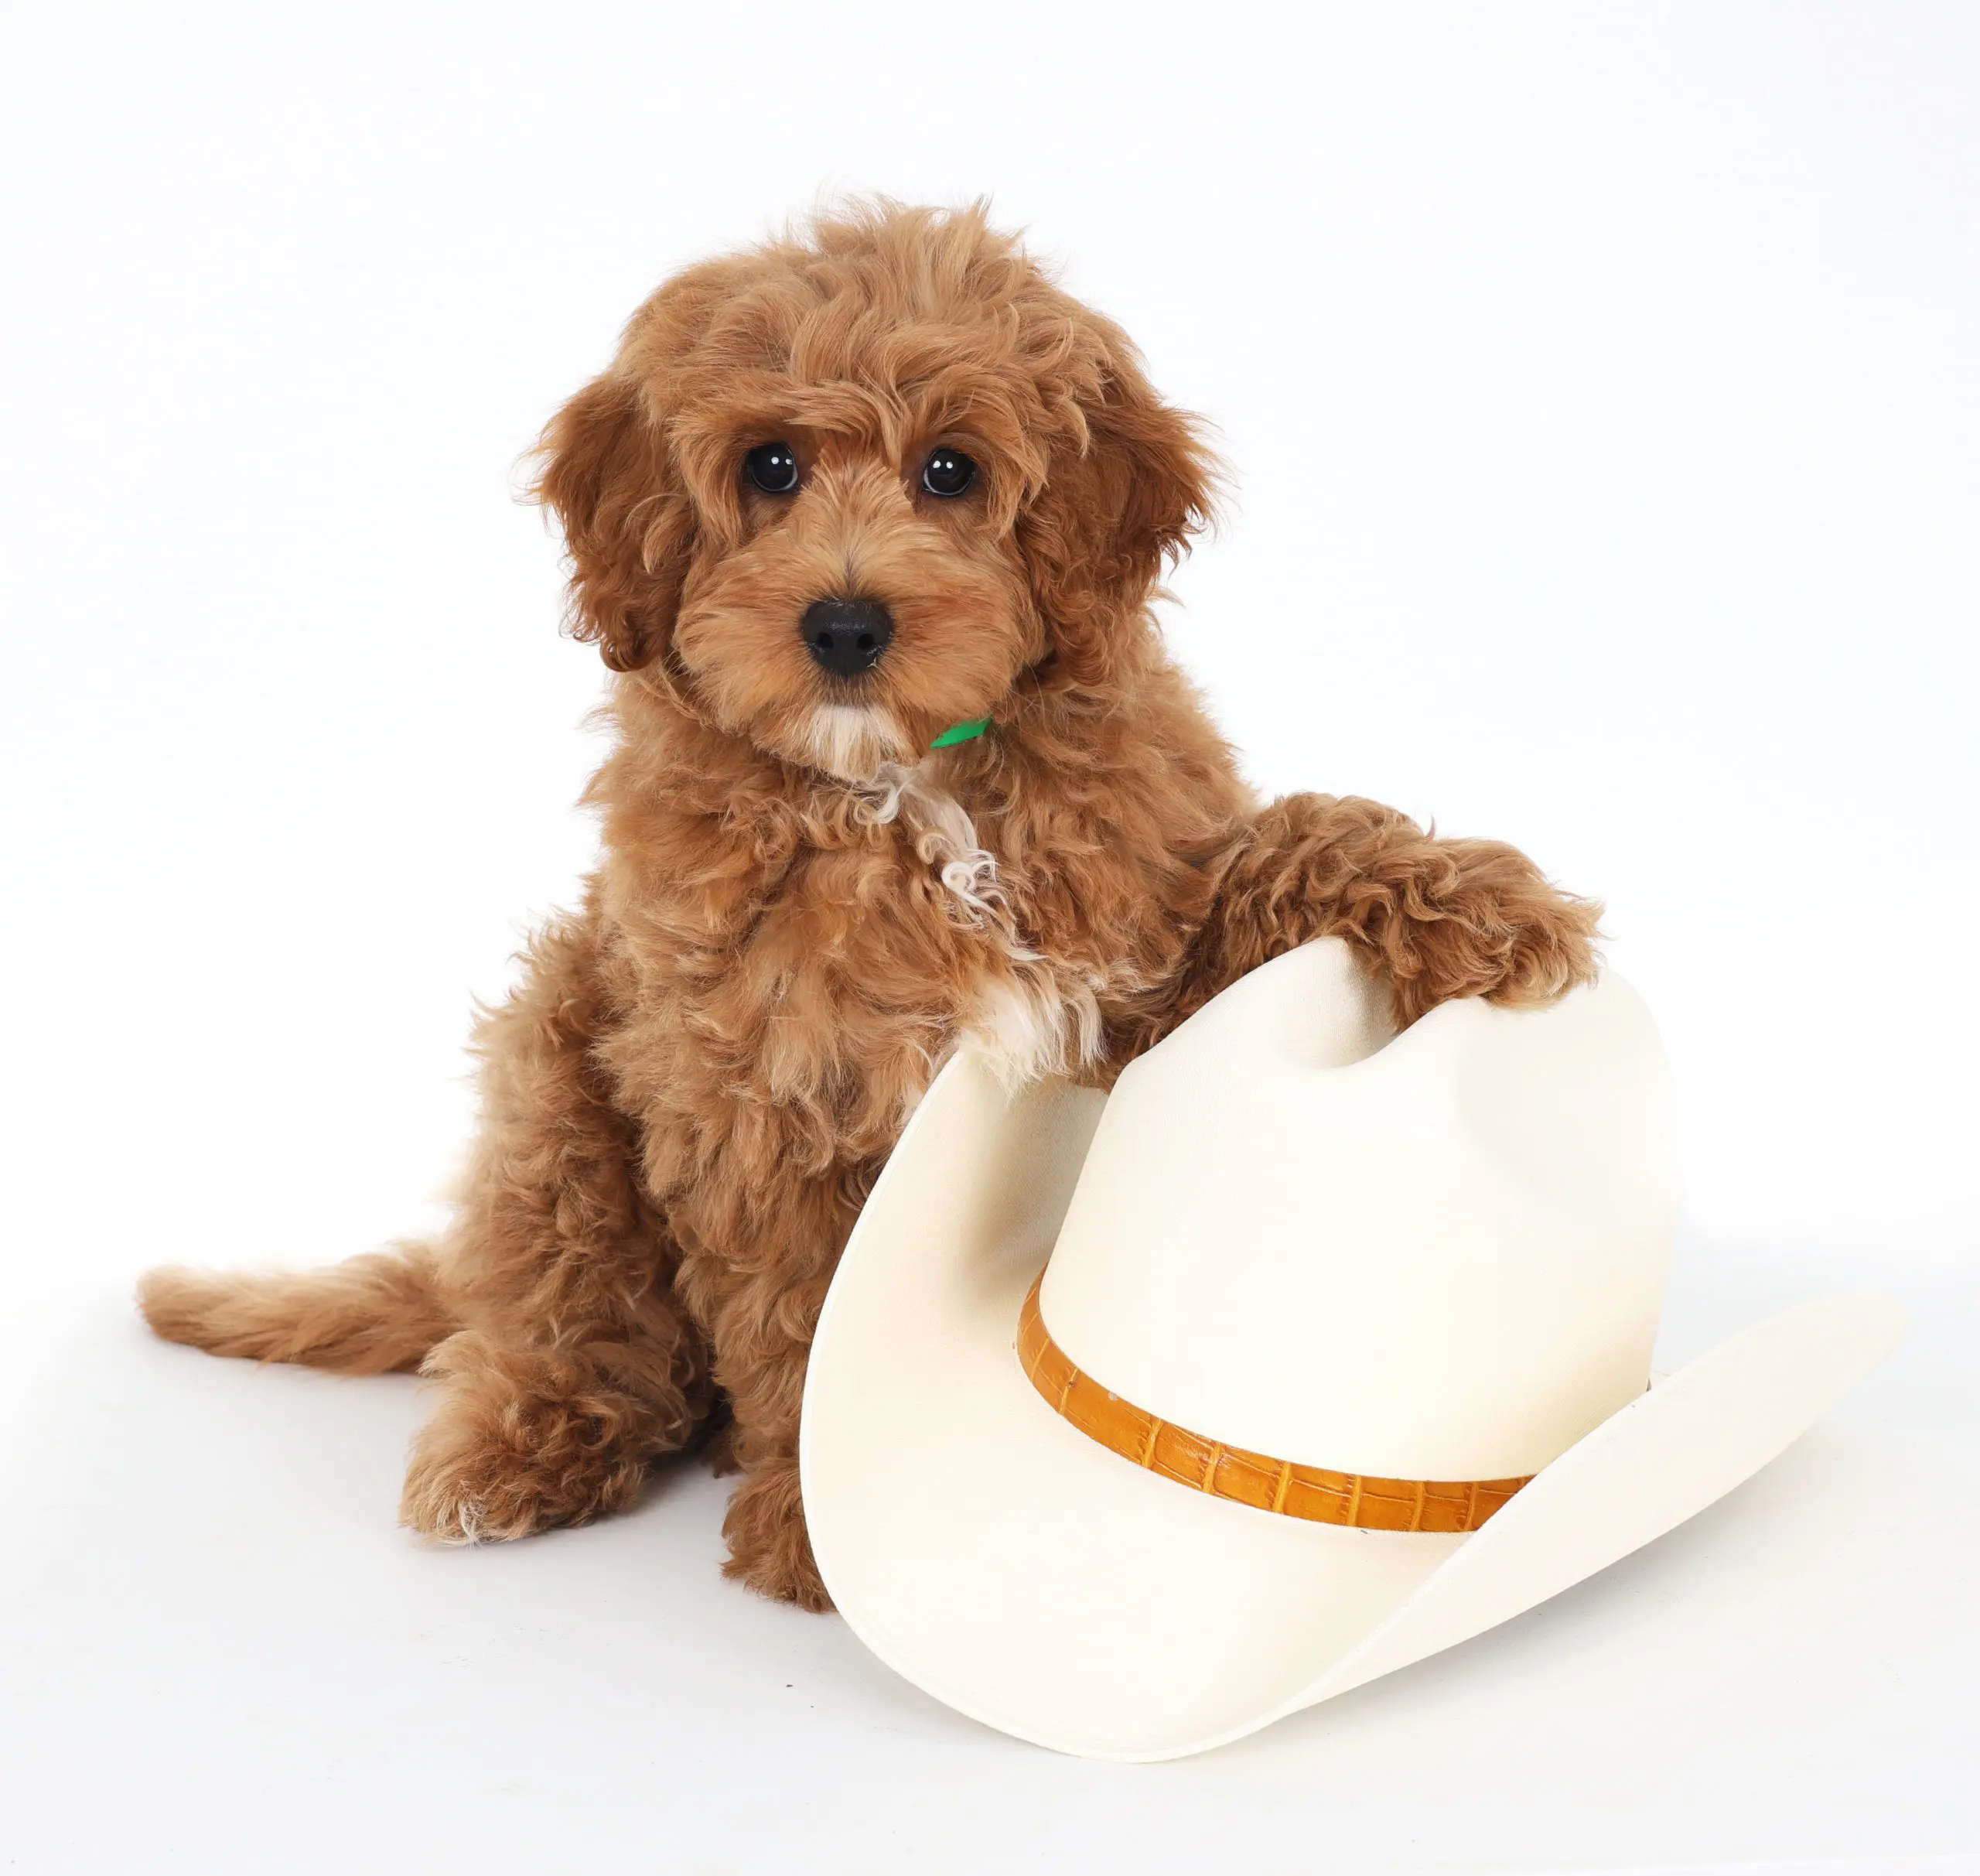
(373, 1315)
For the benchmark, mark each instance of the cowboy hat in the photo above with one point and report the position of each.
(1136, 1422)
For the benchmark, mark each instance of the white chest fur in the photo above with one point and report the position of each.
(1033, 1015)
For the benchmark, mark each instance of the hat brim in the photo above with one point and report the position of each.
(997, 1558)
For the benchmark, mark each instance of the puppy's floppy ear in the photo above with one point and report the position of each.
(1126, 487)
(605, 471)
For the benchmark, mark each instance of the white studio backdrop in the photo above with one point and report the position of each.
(1601, 386)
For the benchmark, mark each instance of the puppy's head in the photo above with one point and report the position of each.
(841, 492)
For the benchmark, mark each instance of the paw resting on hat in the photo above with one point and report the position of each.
(1434, 919)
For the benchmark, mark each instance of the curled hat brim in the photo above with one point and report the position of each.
(999, 1559)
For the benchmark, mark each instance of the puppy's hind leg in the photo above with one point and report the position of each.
(371, 1316)
(572, 1367)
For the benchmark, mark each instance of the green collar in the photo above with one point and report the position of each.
(960, 732)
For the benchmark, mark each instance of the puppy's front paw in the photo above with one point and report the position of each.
(1552, 950)
(769, 1548)
(1482, 921)
(510, 1452)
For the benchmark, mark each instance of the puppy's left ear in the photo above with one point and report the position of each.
(606, 471)
(1124, 491)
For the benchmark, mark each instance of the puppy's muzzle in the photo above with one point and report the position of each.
(846, 636)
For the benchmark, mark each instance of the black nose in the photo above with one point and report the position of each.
(847, 636)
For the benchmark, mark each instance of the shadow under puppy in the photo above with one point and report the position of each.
(837, 497)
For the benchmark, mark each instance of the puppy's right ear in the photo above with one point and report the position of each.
(605, 471)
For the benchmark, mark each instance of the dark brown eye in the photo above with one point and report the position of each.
(948, 472)
(772, 467)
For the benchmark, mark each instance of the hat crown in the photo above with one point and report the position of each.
(1440, 1255)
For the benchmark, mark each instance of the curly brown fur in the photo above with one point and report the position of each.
(801, 910)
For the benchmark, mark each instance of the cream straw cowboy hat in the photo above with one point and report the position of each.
(1341, 1354)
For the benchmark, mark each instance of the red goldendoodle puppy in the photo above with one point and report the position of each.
(840, 501)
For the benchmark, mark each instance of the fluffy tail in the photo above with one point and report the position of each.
(371, 1316)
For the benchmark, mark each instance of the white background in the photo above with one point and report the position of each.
(1603, 385)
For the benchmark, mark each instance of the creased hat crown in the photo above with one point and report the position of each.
(1439, 1255)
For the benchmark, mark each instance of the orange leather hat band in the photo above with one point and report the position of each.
(1247, 1477)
